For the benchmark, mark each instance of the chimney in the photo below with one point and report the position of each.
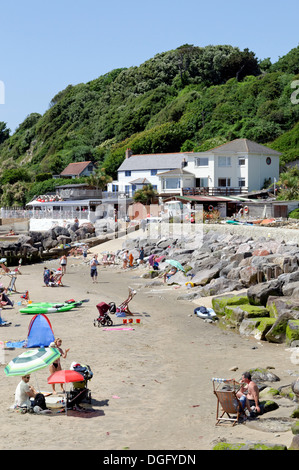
(128, 153)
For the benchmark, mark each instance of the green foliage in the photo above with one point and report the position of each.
(146, 195)
(189, 99)
(4, 132)
(294, 214)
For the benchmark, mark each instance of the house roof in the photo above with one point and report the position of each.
(244, 145)
(140, 181)
(175, 172)
(156, 161)
(75, 169)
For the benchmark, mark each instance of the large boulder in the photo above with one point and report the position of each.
(259, 294)
(219, 303)
(205, 276)
(277, 333)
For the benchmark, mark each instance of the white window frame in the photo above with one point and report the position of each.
(242, 161)
(224, 161)
(202, 161)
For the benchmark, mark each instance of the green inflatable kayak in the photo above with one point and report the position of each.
(47, 308)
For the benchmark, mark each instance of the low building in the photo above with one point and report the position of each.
(77, 169)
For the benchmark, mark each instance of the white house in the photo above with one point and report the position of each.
(240, 164)
(138, 170)
(235, 167)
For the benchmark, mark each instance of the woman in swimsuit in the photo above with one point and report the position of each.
(55, 366)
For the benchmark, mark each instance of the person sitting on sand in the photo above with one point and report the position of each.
(5, 300)
(249, 394)
(168, 274)
(24, 392)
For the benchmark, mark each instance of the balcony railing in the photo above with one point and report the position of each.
(215, 191)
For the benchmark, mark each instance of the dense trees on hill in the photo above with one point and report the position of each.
(190, 98)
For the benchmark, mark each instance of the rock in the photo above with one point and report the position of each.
(295, 443)
(263, 375)
(295, 388)
(248, 446)
(259, 294)
(220, 302)
(248, 276)
(248, 326)
(205, 276)
(292, 332)
(295, 428)
(262, 328)
(277, 333)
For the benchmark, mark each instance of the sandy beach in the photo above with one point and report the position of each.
(151, 387)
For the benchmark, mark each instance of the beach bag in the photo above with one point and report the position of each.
(201, 310)
(40, 401)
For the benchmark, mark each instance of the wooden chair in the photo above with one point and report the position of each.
(229, 407)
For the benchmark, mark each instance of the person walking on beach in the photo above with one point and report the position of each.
(57, 365)
(63, 263)
(93, 268)
(125, 259)
(141, 256)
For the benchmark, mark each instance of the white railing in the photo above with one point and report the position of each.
(15, 213)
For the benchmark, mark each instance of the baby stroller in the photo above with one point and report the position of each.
(79, 391)
(103, 317)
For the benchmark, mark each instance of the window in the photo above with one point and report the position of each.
(224, 161)
(203, 182)
(128, 173)
(201, 161)
(224, 182)
(241, 161)
(241, 182)
(154, 172)
(172, 183)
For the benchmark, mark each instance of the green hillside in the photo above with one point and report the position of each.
(186, 99)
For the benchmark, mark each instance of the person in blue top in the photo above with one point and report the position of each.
(141, 255)
(47, 275)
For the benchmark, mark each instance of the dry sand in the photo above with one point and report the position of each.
(152, 386)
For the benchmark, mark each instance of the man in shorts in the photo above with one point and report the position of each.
(93, 268)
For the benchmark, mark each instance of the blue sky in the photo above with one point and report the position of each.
(47, 45)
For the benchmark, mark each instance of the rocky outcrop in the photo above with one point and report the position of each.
(37, 242)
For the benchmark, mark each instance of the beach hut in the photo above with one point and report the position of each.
(40, 332)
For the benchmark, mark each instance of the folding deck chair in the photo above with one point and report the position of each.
(229, 407)
(123, 307)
